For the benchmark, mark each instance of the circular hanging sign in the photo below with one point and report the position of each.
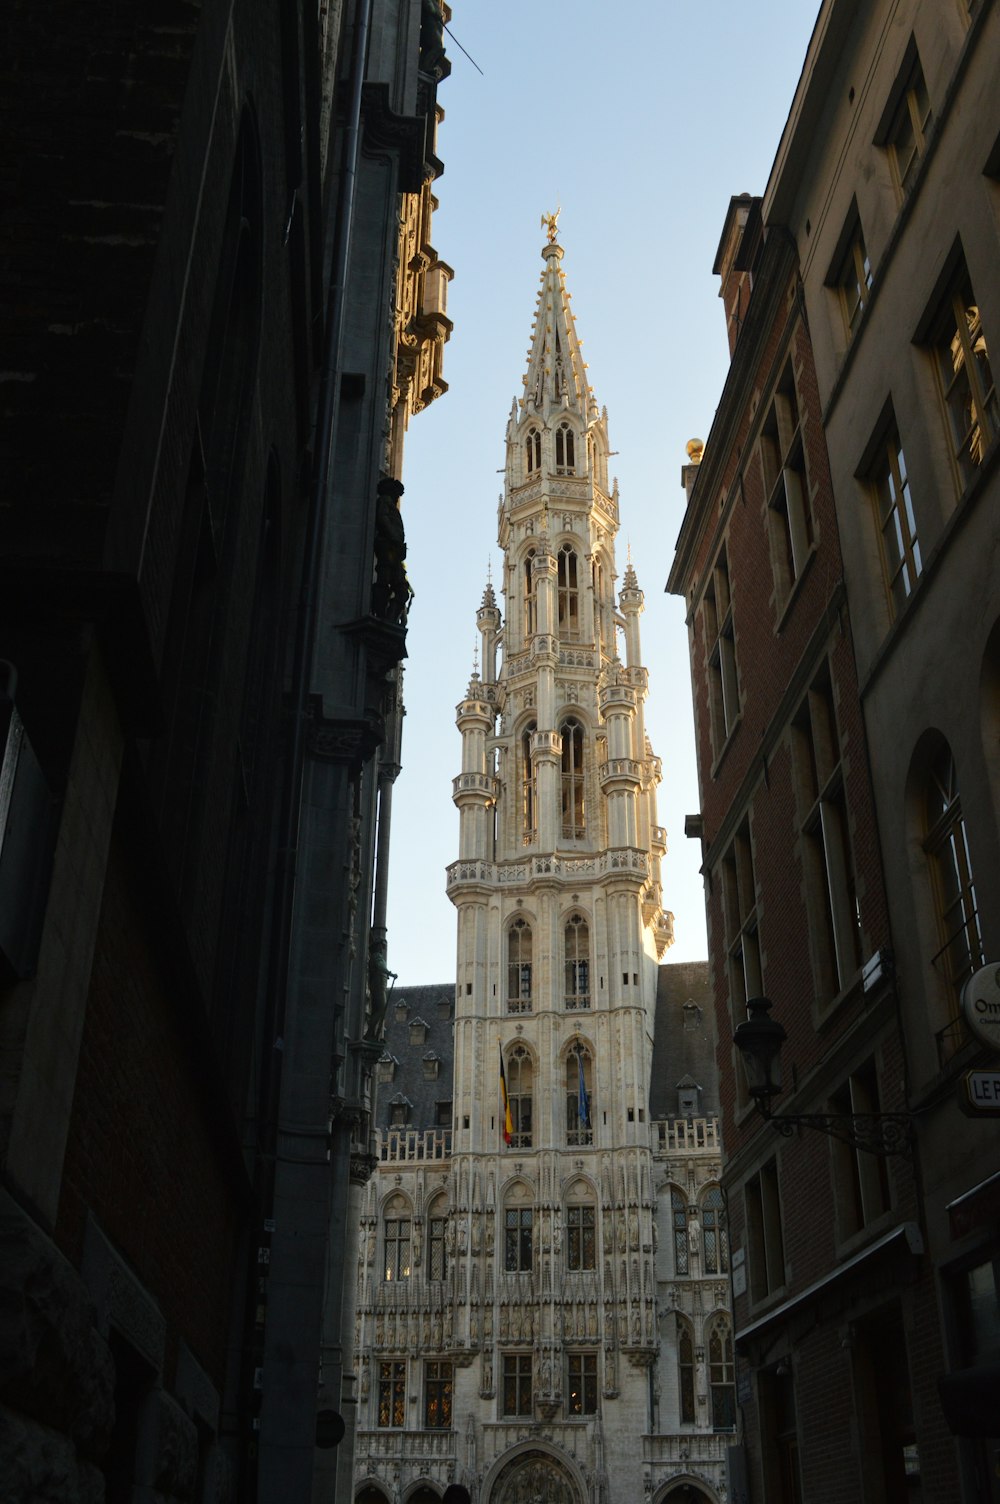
(981, 1005)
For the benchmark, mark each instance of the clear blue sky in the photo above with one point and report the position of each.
(641, 121)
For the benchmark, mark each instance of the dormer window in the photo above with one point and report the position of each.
(533, 451)
(418, 1031)
(565, 450)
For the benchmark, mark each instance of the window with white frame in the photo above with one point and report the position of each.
(897, 528)
(572, 780)
(576, 944)
(519, 1075)
(720, 651)
(965, 376)
(519, 948)
(906, 122)
(786, 486)
(715, 1238)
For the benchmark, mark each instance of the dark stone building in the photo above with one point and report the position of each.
(220, 307)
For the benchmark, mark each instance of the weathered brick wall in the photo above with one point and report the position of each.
(147, 1154)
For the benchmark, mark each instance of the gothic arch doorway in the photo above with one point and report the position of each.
(687, 1492)
(534, 1477)
(424, 1495)
(371, 1495)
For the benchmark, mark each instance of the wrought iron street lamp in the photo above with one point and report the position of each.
(759, 1039)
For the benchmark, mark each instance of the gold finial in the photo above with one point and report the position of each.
(550, 224)
(694, 449)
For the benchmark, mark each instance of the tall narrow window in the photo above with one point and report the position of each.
(579, 1106)
(861, 1178)
(519, 1095)
(685, 1374)
(529, 825)
(947, 846)
(766, 1245)
(397, 1248)
(565, 450)
(786, 486)
(739, 906)
(582, 1383)
(721, 1375)
(830, 888)
(519, 967)
(532, 451)
(517, 1240)
(851, 274)
(517, 1383)
(715, 1239)
(581, 1237)
(720, 650)
(577, 946)
(678, 1222)
(438, 1387)
(573, 827)
(603, 625)
(897, 526)
(437, 1247)
(392, 1393)
(530, 621)
(966, 376)
(904, 131)
(568, 595)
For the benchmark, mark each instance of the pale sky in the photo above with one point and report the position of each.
(640, 121)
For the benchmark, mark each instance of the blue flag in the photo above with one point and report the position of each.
(584, 1102)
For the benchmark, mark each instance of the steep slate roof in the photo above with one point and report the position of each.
(683, 1050)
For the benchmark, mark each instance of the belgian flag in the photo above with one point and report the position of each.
(506, 1124)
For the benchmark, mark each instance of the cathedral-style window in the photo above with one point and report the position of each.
(565, 450)
(577, 944)
(714, 1235)
(604, 628)
(517, 1240)
(533, 451)
(392, 1393)
(530, 620)
(568, 595)
(519, 967)
(519, 1091)
(678, 1220)
(397, 1247)
(572, 780)
(581, 1237)
(720, 1375)
(579, 1107)
(529, 828)
(685, 1374)
(437, 1242)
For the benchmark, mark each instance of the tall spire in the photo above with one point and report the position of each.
(557, 374)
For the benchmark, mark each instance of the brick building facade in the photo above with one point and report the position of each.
(849, 477)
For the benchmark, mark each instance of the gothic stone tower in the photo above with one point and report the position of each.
(518, 1249)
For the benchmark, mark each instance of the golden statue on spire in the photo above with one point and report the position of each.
(550, 224)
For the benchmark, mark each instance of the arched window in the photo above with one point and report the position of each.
(565, 450)
(579, 1106)
(720, 1375)
(581, 1230)
(532, 451)
(397, 1230)
(678, 1222)
(603, 625)
(572, 779)
(946, 844)
(517, 1236)
(569, 595)
(529, 595)
(577, 945)
(529, 829)
(685, 1373)
(519, 967)
(715, 1239)
(437, 1240)
(519, 1088)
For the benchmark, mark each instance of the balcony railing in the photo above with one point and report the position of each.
(410, 1145)
(683, 1135)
